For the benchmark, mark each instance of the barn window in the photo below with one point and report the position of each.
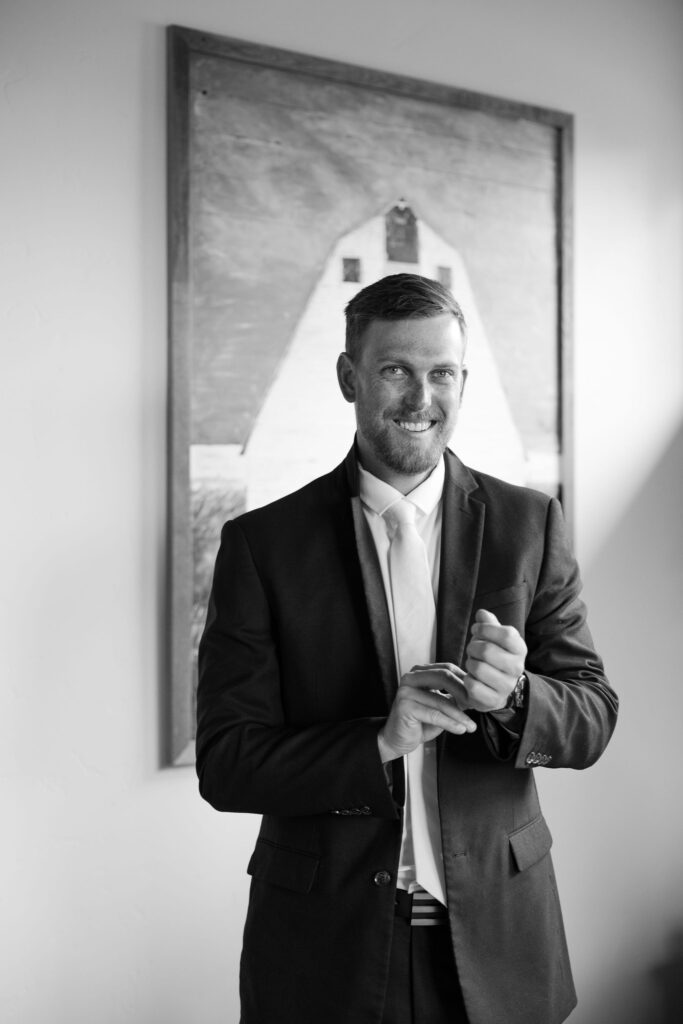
(350, 269)
(401, 231)
(444, 276)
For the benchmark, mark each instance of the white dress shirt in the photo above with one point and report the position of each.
(376, 497)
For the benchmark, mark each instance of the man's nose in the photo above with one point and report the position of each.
(419, 393)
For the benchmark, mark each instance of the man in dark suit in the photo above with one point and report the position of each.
(402, 872)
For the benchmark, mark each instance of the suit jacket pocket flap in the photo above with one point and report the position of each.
(530, 843)
(280, 865)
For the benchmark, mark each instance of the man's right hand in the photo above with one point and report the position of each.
(419, 713)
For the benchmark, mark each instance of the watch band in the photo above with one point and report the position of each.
(516, 699)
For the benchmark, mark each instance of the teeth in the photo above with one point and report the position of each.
(415, 427)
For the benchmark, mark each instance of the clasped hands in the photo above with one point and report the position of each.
(435, 698)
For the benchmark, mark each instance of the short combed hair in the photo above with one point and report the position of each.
(398, 297)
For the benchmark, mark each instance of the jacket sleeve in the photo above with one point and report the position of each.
(571, 709)
(248, 757)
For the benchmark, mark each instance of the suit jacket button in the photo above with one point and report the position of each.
(381, 878)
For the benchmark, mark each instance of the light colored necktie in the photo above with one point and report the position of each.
(415, 621)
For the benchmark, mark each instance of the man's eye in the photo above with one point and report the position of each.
(444, 375)
(394, 371)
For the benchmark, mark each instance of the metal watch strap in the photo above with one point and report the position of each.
(516, 699)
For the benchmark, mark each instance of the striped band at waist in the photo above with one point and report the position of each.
(420, 908)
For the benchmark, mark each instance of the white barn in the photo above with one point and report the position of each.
(305, 427)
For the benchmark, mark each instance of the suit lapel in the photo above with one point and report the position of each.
(380, 624)
(378, 613)
(461, 539)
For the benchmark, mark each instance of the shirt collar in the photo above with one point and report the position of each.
(378, 495)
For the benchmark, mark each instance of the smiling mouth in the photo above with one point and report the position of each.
(415, 427)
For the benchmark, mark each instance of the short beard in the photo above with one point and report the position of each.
(408, 461)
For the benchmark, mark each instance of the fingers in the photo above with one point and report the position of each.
(419, 714)
(483, 653)
(495, 660)
(488, 691)
(487, 627)
(432, 708)
(442, 677)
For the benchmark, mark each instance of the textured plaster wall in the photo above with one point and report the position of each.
(122, 895)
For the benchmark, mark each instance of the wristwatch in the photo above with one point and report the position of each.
(516, 699)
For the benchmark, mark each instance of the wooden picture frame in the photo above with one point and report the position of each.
(292, 182)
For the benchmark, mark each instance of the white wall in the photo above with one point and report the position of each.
(122, 894)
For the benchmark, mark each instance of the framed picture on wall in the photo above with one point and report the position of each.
(293, 182)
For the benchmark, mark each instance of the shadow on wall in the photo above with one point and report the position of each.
(650, 533)
(634, 589)
(668, 979)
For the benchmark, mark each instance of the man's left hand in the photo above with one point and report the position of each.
(495, 661)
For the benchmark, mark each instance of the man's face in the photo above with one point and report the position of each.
(406, 384)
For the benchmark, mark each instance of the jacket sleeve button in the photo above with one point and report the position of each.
(381, 878)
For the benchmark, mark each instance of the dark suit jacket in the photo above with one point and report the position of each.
(296, 675)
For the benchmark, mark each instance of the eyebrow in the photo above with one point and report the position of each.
(405, 361)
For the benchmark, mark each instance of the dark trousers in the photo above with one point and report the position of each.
(423, 983)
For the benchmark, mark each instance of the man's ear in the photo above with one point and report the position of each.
(346, 375)
(464, 372)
